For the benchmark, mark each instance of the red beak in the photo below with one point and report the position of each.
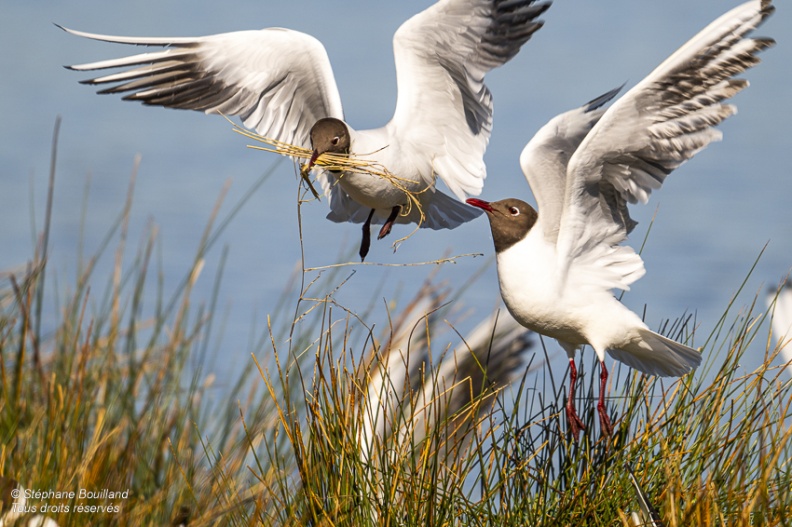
(480, 203)
(313, 159)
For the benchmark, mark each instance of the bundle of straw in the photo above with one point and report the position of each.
(339, 163)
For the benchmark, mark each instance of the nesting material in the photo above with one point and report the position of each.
(341, 163)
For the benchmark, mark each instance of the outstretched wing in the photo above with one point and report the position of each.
(658, 125)
(442, 55)
(278, 81)
(545, 158)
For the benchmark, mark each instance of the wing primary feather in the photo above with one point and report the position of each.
(137, 73)
(602, 100)
(165, 78)
(184, 53)
(653, 129)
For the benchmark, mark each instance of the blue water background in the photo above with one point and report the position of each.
(713, 216)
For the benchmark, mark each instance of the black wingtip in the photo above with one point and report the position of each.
(602, 99)
(764, 42)
(64, 28)
(643, 499)
(767, 8)
(778, 289)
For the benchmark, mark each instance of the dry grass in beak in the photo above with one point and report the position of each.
(338, 163)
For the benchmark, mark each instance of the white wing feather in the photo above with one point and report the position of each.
(442, 55)
(278, 81)
(545, 158)
(655, 127)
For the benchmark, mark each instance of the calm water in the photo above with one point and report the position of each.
(713, 216)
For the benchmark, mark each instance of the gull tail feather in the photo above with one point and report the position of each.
(442, 212)
(655, 354)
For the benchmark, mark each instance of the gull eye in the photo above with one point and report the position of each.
(335, 140)
(514, 211)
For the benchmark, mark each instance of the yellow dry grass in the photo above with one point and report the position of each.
(340, 163)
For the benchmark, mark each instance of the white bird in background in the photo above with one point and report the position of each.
(557, 268)
(780, 301)
(280, 83)
(14, 507)
(408, 398)
(649, 515)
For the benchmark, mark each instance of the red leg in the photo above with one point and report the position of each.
(605, 422)
(575, 424)
(386, 228)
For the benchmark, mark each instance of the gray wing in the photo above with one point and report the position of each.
(278, 81)
(655, 127)
(545, 158)
(442, 55)
(461, 388)
(441, 211)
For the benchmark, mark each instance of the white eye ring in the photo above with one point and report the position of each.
(514, 211)
(335, 140)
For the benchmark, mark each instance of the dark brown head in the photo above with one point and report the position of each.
(329, 135)
(510, 220)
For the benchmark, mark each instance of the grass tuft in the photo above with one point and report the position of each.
(335, 423)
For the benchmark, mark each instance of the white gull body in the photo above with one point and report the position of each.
(557, 268)
(780, 302)
(580, 314)
(280, 83)
(416, 405)
(411, 396)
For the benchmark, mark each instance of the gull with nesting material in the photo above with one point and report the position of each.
(280, 83)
